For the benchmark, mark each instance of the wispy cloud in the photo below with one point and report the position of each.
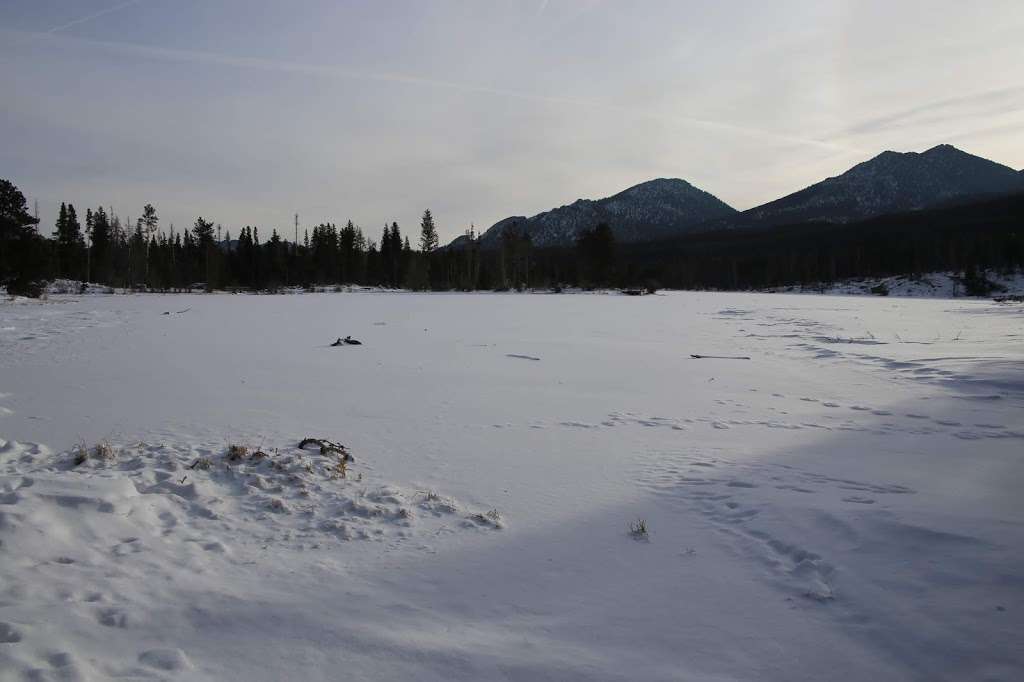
(94, 15)
(334, 71)
(969, 107)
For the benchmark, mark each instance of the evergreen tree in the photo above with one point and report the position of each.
(428, 233)
(22, 250)
(149, 222)
(137, 257)
(60, 228)
(388, 257)
(102, 239)
(74, 241)
(275, 262)
(202, 233)
(596, 256)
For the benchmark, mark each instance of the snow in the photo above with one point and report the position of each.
(844, 505)
(929, 285)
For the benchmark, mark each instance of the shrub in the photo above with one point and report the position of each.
(977, 283)
(102, 451)
(237, 453)
(638, 529)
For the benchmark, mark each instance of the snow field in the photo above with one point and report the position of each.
(844, 505)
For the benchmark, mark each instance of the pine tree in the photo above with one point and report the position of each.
(202, 231)
(387, 256)
(596, 254)
(75, 257)
(149, 222)
(428, 233)
(22, 256)
(60, 228)
(102, 247)
(137, 257)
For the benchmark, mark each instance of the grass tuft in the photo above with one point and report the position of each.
(102, 451)
(236, 453)
(638, 530)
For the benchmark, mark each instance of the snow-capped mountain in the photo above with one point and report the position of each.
(889, 183)
(650, 210)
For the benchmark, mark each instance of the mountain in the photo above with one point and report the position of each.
(651, 210)
(891, 182)
(960, 237)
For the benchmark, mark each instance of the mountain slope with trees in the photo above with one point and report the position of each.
(942, 210)
(889, 183)
(650, 210)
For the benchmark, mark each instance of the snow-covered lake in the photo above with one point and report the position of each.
(845, 504)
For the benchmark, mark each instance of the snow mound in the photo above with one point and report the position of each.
(98, 540)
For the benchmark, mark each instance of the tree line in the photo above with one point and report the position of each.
(99, 248)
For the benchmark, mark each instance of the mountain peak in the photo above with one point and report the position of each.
(650, 210)
(891, 182)
(946, 149)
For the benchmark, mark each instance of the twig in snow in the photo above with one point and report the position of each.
(720, 357)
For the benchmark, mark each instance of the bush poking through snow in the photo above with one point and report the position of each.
(490, 519)
(638, 530)
(203, 463)
(102, 451)
(236, 453)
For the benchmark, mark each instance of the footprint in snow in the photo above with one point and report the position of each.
(169, 660)
(112, 618)
(9, 634)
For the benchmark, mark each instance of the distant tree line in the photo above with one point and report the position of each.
(969, 238)
(100, 248)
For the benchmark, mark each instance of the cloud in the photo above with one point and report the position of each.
(970, 106)
(333, 71)
(94, 15)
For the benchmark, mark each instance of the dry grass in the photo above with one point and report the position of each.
(236, 453)
(102, 451)
(638, 529)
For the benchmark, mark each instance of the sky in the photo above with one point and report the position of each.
(246, 112)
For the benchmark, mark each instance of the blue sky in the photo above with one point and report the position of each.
(246, 112)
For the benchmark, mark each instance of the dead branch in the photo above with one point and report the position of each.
(327, 447)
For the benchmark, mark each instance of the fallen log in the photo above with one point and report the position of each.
(327, 447)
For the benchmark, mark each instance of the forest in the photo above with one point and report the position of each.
(99, 247)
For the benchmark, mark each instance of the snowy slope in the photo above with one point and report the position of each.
(650, 210)
(845, 505)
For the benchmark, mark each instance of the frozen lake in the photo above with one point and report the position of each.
(843, 504)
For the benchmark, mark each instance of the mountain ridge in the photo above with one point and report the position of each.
(652, 209)
(890, 182)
